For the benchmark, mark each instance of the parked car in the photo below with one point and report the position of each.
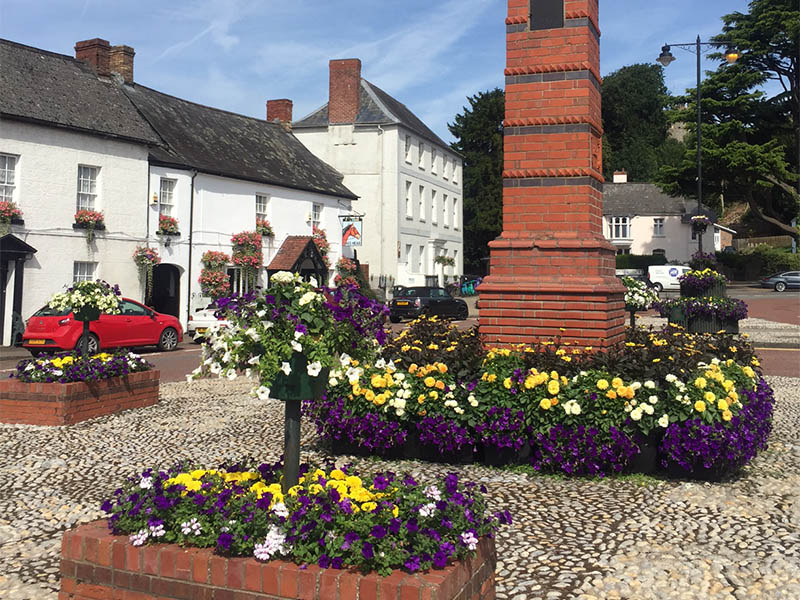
(665, 277)
(781, 281)
(50, 330)
(415, 301)
(201, 320)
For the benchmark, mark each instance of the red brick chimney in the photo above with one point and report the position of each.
(279, 110)
(97, 53)
(344, 90)
(122, 62)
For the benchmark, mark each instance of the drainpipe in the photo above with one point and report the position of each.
(189, 266)
(380, 182)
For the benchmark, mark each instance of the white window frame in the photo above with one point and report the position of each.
(421, 156)
(434, 209)
(409, 251)
(620, 228)
(622, 250)
(239, 285)
(316, 214)
(421, 260)
(455, 172)
(456, 224)
(166, 196)
(408, 149)
(422, 203)
(445, 213)
(8, 177)
(445, 167)
(83, 271)
(409, 202)
(658, 226)
(262, 206)
(434, 158)
(86, 198)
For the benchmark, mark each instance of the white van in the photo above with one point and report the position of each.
(665, 277)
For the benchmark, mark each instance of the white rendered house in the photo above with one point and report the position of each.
(408, 180)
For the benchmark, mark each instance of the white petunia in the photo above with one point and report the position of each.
(253, 360)
(296, 346)
(314, 368)
(345, 359)
(279, 508)
(215, 368)
(653, 399)
(380, 363)
(146, 483)
(649, 384)
(231, 375)
(664, 421)
(307, 298)
(648, 408)
(262, 392)
(636, 414)
(286, 368)
(298, 335)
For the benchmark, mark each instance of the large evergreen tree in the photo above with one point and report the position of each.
(479, 139)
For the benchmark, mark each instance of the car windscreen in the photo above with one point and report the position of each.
(414, 293)
(46, 311)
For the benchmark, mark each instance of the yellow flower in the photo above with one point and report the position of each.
(337, 474)
(749, 372)
(380, 400)
(395, 511)
(405, 348)
(491, 378)
(727, 415)
(442, 368)
(602, 384)
(440, 385)
(722, 404)
(709, 397)
(616, 382)
(353, 482)
(377, 381)
(700, 382)
(553, 375)
(429, 381)
(412, 369)
(545, 404)
(483, 377)
(507, 383)
(553, 387)
(434, 394)
(656, 360)
(530, 382)
(369, 395)
(733, 396)
(360, 494)
(611, 394)
(700, 406)
(421, 398)
(369, 506)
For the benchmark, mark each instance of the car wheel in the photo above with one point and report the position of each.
(463, 314)
(394, 318)
(780, 286)
(36, 353)
(94, 344)
(658, 287)
(168, 340)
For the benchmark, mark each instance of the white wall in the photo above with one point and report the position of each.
(677, 240)
(46, 191)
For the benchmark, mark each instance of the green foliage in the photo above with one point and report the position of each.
(639, 261)
(759, 261)
(635, 123)
(479, 138)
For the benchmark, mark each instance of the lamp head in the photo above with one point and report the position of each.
(731, 55)
(665, 58)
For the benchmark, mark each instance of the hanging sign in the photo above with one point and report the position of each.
(351, 230)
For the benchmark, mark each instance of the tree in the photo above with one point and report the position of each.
(635, 123)
(479, 139)
(750, 141)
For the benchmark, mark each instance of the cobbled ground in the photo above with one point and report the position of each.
(619, 537)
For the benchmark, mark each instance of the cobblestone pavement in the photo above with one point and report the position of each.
(624, 537)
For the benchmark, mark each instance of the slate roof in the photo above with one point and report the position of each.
(230, 145)
(646, 199)
(376, 106)
(57, 90)
(289, 252)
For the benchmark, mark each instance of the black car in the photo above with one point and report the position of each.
(415, 301)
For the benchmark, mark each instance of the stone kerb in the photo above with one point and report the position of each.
(98, 565)
(69, 403)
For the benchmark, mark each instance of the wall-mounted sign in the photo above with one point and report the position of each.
(351, 230)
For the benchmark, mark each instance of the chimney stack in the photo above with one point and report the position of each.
(620, 176)
(344, 90)
(122, 62)
(96, 52)
(281, 111)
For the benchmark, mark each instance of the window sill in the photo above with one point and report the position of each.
(17, 221)
(98, 227)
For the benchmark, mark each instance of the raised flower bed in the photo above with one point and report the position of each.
(334, 535)
(65, 389)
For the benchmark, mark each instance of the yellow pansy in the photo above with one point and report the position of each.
(369, 506)
(553, 387)
(700, 406)
(442, 368)
(380, 400)
(434, 394)
(616, 382)
(722, 404)
(353, 482)
(440, 385)
(530, 382)
(602, 384)
(492, 377)
(709, 397)
(369, 395)
(507, 383)
(749, 372)
(337, 474)
(545, 404)
(727, 415)
(700, 382)
(429, 381)
(611, 394)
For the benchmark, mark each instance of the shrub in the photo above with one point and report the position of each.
(759, 261)
(639, 261)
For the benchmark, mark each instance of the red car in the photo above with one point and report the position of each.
(50, 330)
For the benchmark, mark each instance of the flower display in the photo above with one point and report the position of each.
(703, 260)
(346, 272)
(91, 220)
(8, 212)
(146, 258)
(320, 238)
(637, 295)
(88, 294)
(700, 223)
(696, 282)
(332, 518)
(724, 309)
(247, 254)
(292, 316)
(167, 225)
(264, 228)
(214, 280)
(69, 367)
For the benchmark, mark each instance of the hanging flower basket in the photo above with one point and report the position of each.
(264, 228)
(247, 254)
(167, 226)
(9, 213)
(146, 258)
(323, 245)
(91, 221)
(700, 223)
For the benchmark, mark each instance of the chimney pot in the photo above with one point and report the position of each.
(620, 176)
(344, 90)
(121, 61)
(96, 52)
(280, 110)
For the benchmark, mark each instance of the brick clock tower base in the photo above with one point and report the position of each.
(551, 269)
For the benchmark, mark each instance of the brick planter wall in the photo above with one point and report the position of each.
(97, 565)
(68, 403)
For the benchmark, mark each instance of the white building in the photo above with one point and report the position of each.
(408, 179)
(78, 133)
(638, 218)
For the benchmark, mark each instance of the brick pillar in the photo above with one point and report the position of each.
(122, 62)
(279, 110)
(552, 268)
(344, 90)
(96, 52)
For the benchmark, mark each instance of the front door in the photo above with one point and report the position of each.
(166, 289)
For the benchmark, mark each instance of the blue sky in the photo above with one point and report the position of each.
(429, 54)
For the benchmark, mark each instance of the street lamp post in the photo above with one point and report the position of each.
(665, 58)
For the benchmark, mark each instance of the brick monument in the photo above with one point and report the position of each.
(552, 270)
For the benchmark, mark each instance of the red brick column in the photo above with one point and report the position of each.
(552, 268)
